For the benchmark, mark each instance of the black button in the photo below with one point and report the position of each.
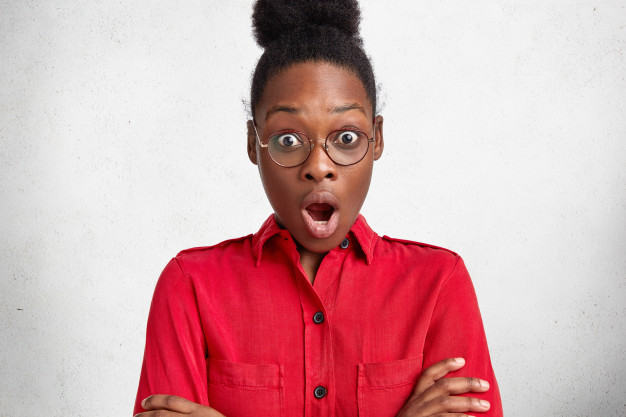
(320, 392)
(345, 243)
(318, 318)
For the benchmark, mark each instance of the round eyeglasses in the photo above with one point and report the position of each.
(290, 148)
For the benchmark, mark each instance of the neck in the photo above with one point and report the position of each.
(310, 262)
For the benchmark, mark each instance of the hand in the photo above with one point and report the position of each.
(172, 406)
(435, 395)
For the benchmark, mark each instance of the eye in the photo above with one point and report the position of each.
(347, 139)
(286, 140)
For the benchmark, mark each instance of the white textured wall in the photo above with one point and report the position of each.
(122, 141)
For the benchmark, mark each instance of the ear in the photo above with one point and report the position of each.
(252, 142)
(379, 143)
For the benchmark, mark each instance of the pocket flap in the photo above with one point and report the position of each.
(392, 373)
(243, 374)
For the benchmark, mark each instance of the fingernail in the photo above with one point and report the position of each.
(484, 384)
(143, 402)
(483, 403)
(459, 360)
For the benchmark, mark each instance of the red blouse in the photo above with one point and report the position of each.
(239, 327)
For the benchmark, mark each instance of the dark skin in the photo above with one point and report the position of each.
(315, 98)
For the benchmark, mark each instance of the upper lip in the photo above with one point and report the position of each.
(320, 197)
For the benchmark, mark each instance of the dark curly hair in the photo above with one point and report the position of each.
(294, 31)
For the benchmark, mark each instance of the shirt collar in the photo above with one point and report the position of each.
(363, 234)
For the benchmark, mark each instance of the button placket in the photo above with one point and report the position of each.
(318, 357)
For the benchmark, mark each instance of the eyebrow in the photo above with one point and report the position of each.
(281, 108)
(347, 107)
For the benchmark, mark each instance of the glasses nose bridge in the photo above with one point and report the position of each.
(322, 162)
(323, 144)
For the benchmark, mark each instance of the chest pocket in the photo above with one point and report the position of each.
(239, 389)
(384, 387)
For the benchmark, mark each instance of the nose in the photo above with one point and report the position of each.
(318, 165)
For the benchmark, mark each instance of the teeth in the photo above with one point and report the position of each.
(321, 221)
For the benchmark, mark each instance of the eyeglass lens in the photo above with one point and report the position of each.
(344, 147)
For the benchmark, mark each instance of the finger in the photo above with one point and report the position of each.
(454, 404)
(446, 415)
(170, 403)
(451, 415)
(160, 413)
(435, 372)
(453, 386)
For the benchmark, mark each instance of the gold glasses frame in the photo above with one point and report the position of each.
(312, 144)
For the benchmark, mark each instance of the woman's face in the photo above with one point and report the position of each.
(317, 201)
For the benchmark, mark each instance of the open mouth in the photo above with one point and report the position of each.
(320, 212)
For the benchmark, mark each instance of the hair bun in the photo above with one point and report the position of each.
(272, 19)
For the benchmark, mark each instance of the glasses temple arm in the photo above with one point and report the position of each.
(258, 138)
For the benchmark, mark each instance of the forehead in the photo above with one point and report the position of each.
(313, 87)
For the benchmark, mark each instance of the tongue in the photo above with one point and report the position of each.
(320, 211)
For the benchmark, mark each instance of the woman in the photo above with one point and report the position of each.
(315, 314)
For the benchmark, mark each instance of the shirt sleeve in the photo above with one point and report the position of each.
(175, 355)
(456, 330)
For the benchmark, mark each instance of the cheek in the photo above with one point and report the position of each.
(276, 181)
(365, 177)
(358, 186)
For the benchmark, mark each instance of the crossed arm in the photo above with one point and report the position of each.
(433, 395)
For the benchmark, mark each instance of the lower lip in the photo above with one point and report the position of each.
(318, 229)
